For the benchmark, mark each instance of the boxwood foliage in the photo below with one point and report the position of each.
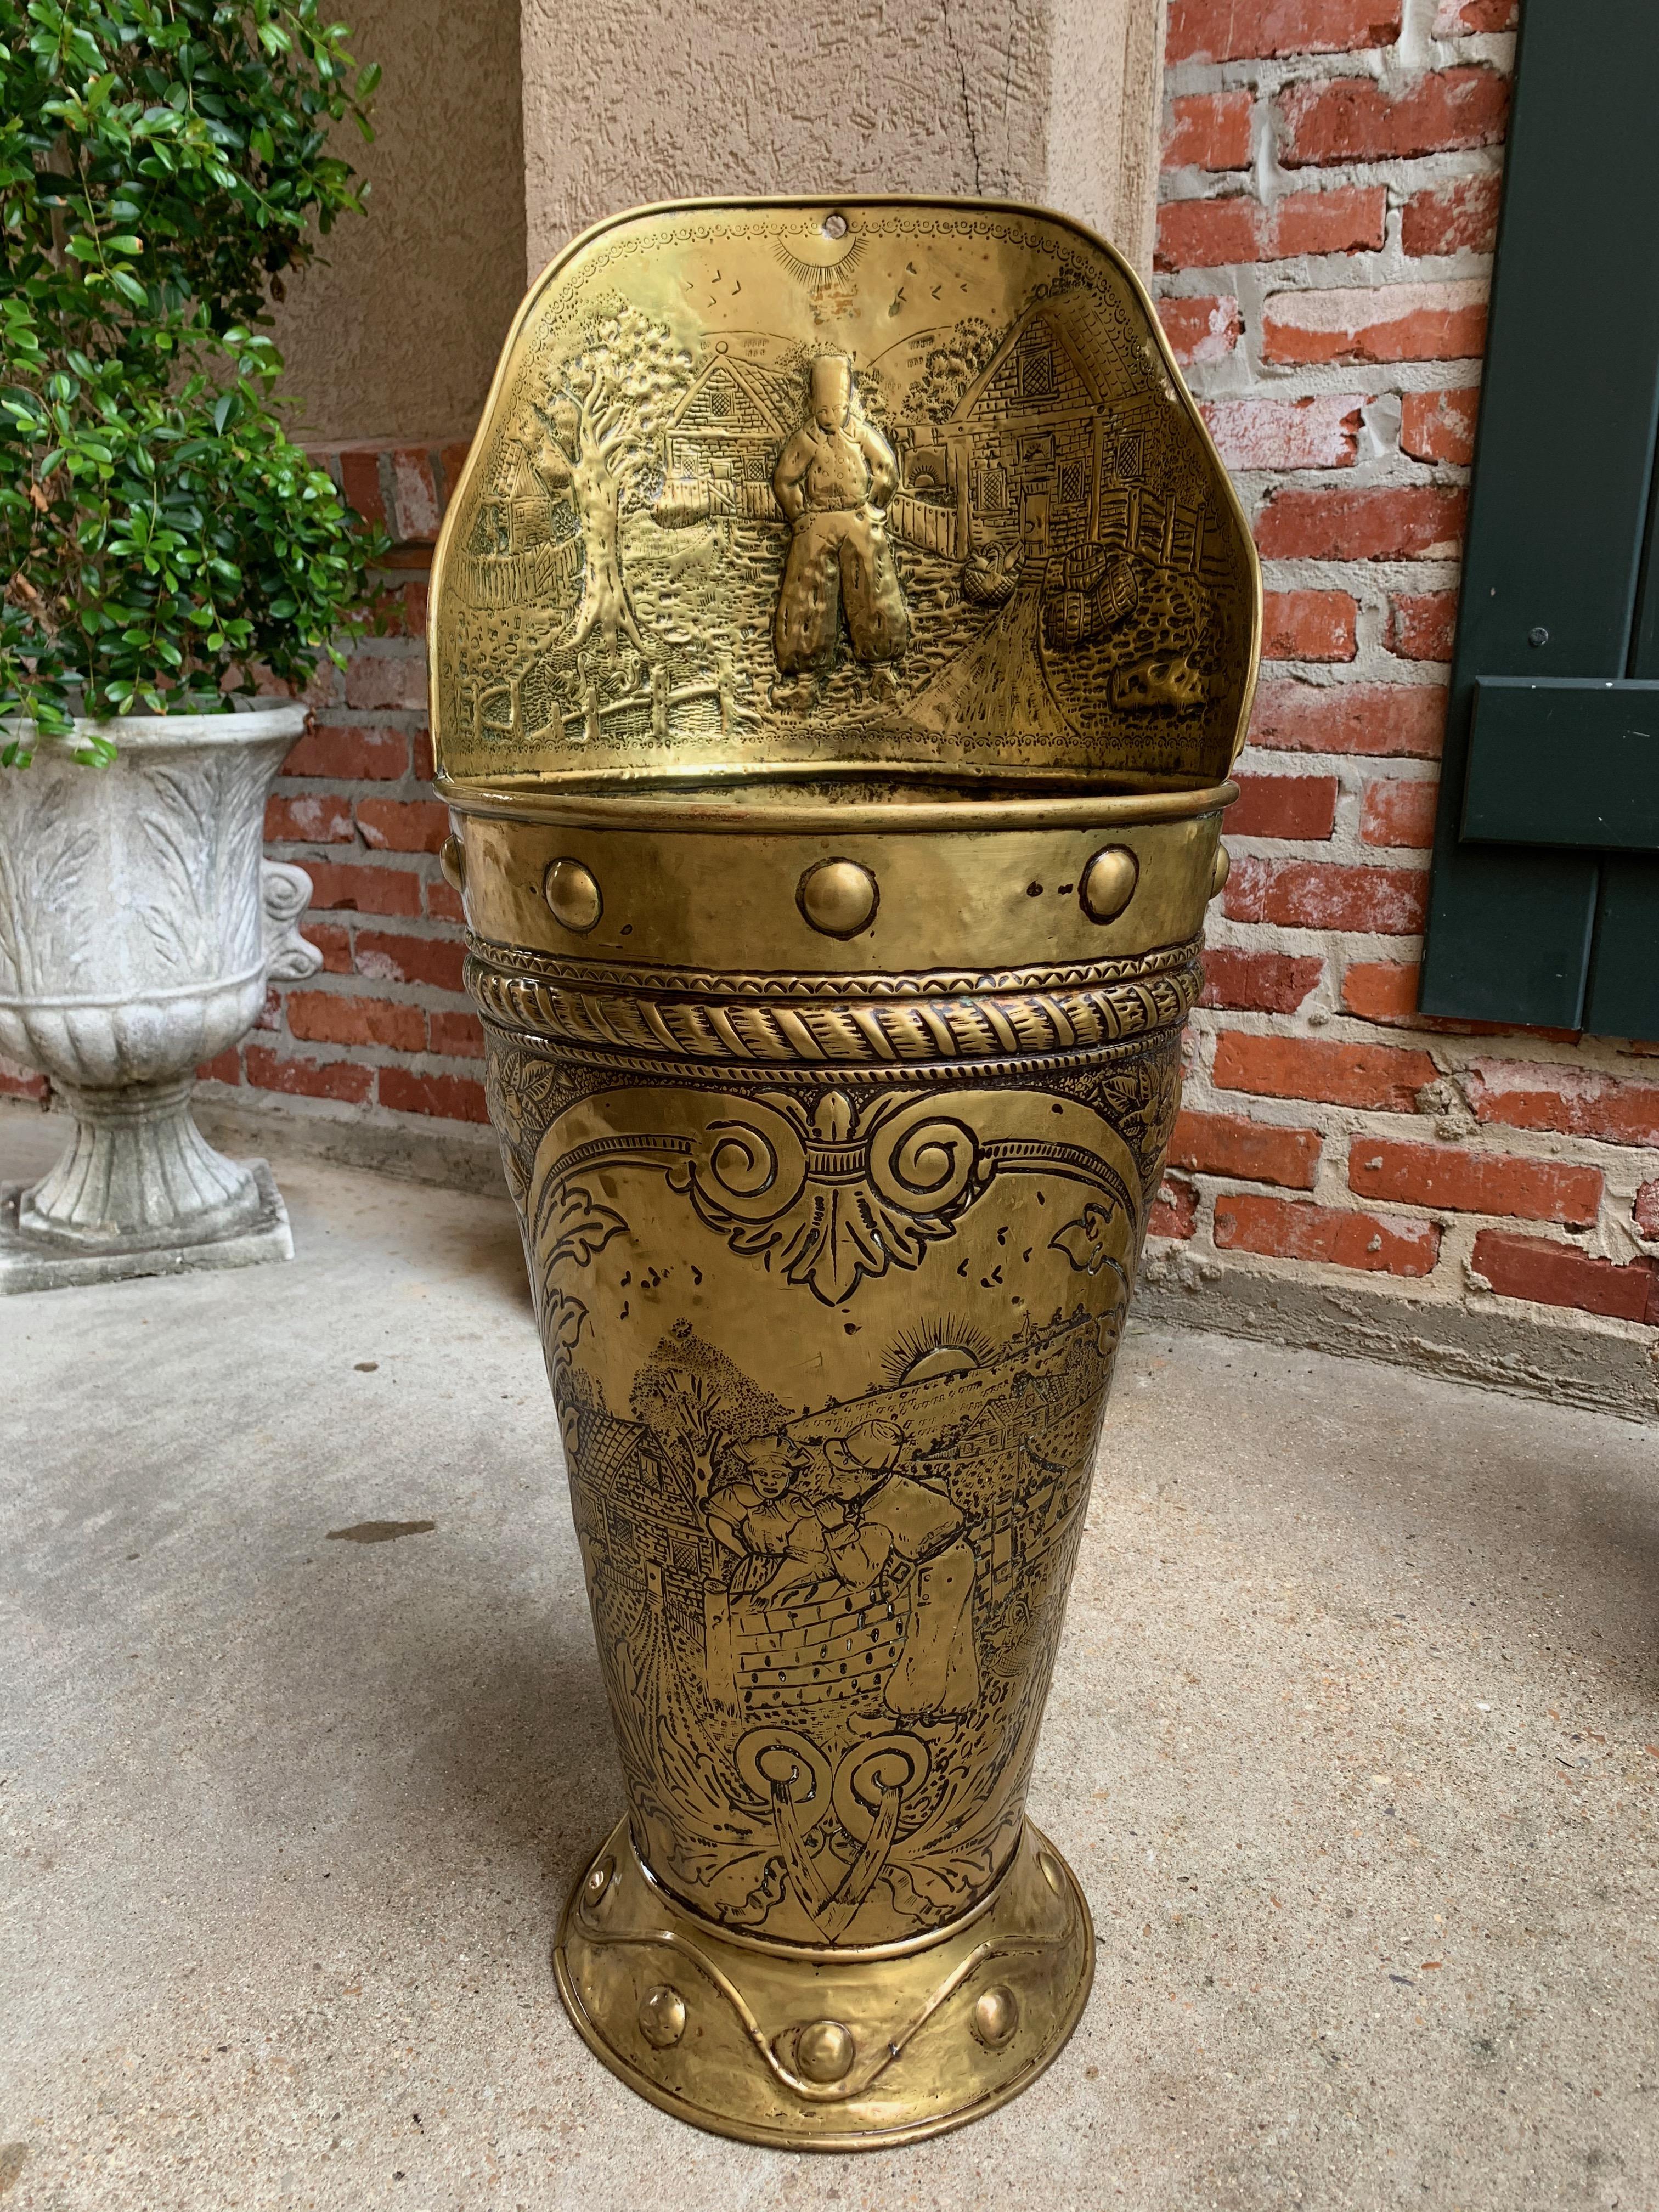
(163, 164)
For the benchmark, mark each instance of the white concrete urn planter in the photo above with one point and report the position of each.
(139, 924)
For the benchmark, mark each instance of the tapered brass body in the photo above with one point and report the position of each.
(839, 640)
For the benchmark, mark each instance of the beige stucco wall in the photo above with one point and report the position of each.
(1052, 101)
(394, 330)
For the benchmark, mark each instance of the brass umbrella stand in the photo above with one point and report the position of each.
(839, 639)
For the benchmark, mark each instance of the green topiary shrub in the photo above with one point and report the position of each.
(162, 162)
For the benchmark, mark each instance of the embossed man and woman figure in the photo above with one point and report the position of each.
(843, 1511)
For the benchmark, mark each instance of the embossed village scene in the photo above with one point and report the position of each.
(828, 1563)
(930, 529)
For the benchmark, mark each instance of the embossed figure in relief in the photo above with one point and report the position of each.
(834, 481)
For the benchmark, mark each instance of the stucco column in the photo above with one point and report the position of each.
(1051, 101)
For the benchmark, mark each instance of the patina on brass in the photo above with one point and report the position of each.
(840, 640)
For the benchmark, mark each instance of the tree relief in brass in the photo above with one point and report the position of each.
(830, 1364)
(942, 502)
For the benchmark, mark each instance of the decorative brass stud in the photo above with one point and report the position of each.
(1049, 1866)
(662, 2016)
(572, 892)
(996, 2016)
(600, 1876)
(838, 897)
(1220, 869)
(1108, 882)
(823, 2051)
(452, 858)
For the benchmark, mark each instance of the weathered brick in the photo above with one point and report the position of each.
(396, 959)
(1200, 329)
(1290, 1229)
(1439, 426)
(1459, 217)
(308, 1079)
(456, 1037)
(332, 942)
(1399, 811)
(1223, 31)
(1380, 990)
(1577, 1101)
(1309, 626)
(361, 481)
(1342, 219)
(1318, 895)
(1355, 118)
(1645, 1211)
(1174, 1211)
(315, 818)
(1422, 625)
(329, 1017)
(336, 884)
(403, 825)
(1455, 19)
(391, 679)
(1258, 982)
(1209, 131)
(1389, 522)
(1303, 806)
(442, 903)
(1391, 322)
(1250, 1152)
(449, 1097)
(452, 460)
(1320, 433)
(1553, 1274)
(419, 510)
(227, 1067)
(1401, 721)
(426, 765)
(1335, 1073)
(1208, 233)
(348, 754)
(1212, 232)
(21, 1084)
(400, 610)
(1474, 1183)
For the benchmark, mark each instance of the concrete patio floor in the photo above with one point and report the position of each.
(1354, 1744)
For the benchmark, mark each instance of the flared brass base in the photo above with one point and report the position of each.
(835, 2051)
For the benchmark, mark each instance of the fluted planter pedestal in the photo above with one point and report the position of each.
(140, 925)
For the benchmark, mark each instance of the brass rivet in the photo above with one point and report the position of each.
(573, 894)
(996, 2016)
(1220, 869)
(662, 2016)
(823, 2051)
(1051, 1869)
(838, 897)
(1108, 882)
(600, 1876)
(452, 858)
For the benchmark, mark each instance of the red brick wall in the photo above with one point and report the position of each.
(1329, 193)
(385, 1030)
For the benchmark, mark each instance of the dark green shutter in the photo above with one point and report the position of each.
(1544, 903)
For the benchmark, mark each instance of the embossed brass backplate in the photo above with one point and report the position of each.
(900, 486)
